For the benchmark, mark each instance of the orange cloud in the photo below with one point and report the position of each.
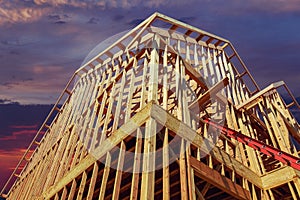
(10, 158)
(22, 14)
(28, 12)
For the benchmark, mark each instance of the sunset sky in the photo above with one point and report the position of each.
(43, 42)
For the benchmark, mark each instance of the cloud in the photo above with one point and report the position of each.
(54, 17)
(93, 20)
(15, 118)
(25, 11)
(59, 18)
(19, 125)
(16, 135)
(251, 7)
(9, 160)
(118, 17)
(7, 101)
(24, 127)
(12, 14)
(60, 22)
(21, 41)
(33, 92)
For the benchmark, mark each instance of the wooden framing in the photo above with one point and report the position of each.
(130, 125)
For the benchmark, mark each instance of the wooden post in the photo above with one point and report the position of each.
(136, 166)
(105, 176)
(148, 174)
(166, 172)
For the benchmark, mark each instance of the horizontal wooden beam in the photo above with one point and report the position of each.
(252, 101)
(196, 76)
(278, 177)
(215, 178)
(209, 93)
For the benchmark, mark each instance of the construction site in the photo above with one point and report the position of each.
(167, 111)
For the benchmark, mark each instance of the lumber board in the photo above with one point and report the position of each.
(215, 178)
(105, 176)
(118, 177)
(252, 101)
(148, 174)
(209, 93)
(277, 177)
(136, 166)
(93, 182)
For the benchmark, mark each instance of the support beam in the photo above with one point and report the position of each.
(210, 93)
(252, 101)
(216, 179)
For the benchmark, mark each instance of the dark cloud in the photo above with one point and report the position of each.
(28, 79)
(59, 18)
(8, 101)
(9, 85)
(54, 17)
(118, 17)
(93, 20)
(60, 22)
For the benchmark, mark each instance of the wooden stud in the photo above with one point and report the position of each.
(92, 182)
(72, 190)
(119, 172)
(148, 174)
(105, 176)
(136, 166)
(222, 182)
